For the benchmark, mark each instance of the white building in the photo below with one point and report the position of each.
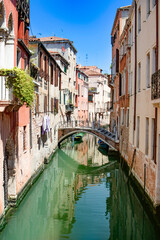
(144, 127)
(66, 49)
(99, 94)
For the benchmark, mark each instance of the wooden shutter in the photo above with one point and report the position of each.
(117, 60)
(59, 80)
(52, 74)
(45, 104)
(120, 84)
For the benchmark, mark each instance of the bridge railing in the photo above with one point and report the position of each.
(95, 125)
(81, 124)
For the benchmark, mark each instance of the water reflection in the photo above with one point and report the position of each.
(87, 152)
(72, 202)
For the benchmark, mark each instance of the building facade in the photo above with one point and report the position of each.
(81, 101)
(139, 115)
(118, 26)
(45, 114)
(66, 49)
(98, 94)
(14, 119)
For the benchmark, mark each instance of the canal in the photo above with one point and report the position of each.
(83, 194)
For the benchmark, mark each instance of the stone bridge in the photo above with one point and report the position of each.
(67, 129)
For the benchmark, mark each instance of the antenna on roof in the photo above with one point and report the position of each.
(86, 59)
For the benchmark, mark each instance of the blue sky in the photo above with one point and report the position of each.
(87, 23)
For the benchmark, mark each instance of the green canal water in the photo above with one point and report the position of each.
(82, 195)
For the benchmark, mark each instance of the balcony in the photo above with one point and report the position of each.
(100, 110)
(69, 108)
(23, 9)
(155, 88)
(6, 96)
(93, 90)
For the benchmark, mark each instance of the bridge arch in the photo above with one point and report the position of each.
(64, 133)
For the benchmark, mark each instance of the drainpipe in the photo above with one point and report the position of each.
(157, 49)
(135, 82)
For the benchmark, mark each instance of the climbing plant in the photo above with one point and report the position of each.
(21, 84)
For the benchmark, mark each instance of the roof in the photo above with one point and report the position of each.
(21, 42)
(54, 54)
(118, 10)
(92, 73)
(57, 39)
(37, 41)
(83, 72)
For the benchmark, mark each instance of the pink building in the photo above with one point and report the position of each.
(14, 120)
(82, 94)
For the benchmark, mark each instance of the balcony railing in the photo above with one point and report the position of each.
(93, 90)
(100, 110)
(155, 94)
(5, 94)
(69, 108)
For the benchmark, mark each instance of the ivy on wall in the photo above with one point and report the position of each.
(21, 84)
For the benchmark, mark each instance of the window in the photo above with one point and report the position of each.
(147, 136)
(139, 77)
(64, 99)
(26, 63)
(56, 77)
(52, 106)
(121, 51)
(122, 116)
(18, 58)
(41, 61)
(45, 67)
(82, 91)
(45, 104)
(129, 38)
(125, 45)
(127, 117)
(124, 82)
(132, 36)
(79, 75)
(90, 98)
(153, 3)
(131, 83)
(37, 104)
(154, 60)
(138, 130)
(55, 106)
(139, 19)
(24, 139)
(65, 69)
(152, 140)
(148, 70)
(51, 73)
(148, 8)
(59, 97)
(78, 90)
(129, 78)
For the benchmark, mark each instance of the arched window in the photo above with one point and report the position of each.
(10, 24)
(2, 15)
